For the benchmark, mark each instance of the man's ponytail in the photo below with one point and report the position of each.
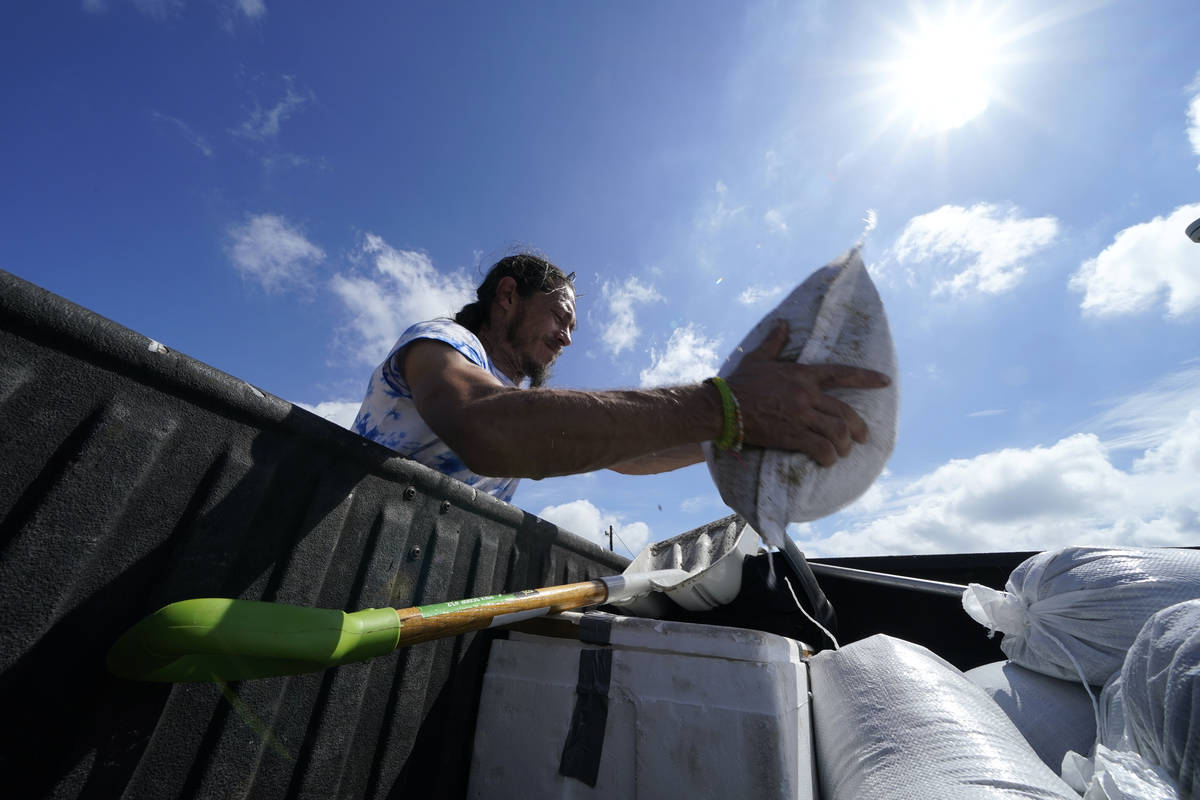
(471, 316)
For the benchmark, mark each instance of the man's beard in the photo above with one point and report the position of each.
(537, 373)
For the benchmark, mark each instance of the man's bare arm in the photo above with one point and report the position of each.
(502, 431)
(654, 463)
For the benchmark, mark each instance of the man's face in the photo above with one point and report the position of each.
(540, 329)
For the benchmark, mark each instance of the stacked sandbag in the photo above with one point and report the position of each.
(892, 720)
(1117, 775)
(1110, 716)
(834, 317)
(1073, 613)
(1116, 770)
(1160, 687)
(1053, 715)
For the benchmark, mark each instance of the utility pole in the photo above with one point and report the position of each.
(610, 534)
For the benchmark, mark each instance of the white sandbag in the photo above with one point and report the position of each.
(1160, 682)
(834, 317)
(1149, 744)
(1110, 724)
(1073, 613)
(1053, 715)
(892, 720)
(1117, 775)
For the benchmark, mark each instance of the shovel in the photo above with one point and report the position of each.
(218, 639)
(708, 562)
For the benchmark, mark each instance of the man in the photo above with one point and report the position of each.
(448, 395)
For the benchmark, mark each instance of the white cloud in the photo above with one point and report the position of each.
(193, 138)
(771, 161)
(163, 9)
(775, 221)
(253, 9)
(1144, 262)
(584, 519)
(158, 9)
(404, 289)
(270, 250)
(262, 124)
(983, 248)
(277, 162)
(621, 331)
(989, 412)
(1193, 116)
(752, 295)
(722, 213)
(870, 221)
(1146, 419)
(703, 502)
(1178, 455)
(341, 412)
(689, 357)
(1036, 499)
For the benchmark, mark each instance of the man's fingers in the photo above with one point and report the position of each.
(786, 405)
(834, 428)
(819, 449)
(774, 343)
(843, 376)
(855, 425)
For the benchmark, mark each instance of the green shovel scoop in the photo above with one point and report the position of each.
(218, 639)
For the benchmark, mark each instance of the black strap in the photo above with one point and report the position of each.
(585, 738)
(818, 603)
(596, 628)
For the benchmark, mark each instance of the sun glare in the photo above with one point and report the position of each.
(942, 79)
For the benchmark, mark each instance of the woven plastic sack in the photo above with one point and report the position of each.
(1160, 683)
(834, 317)
(1053, 715)
(1115, 771)
(1073, 613)
(1110, 720)
(1117, 775)
(1150, 751)
(892, 720)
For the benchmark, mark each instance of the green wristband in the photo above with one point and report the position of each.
(729, 414)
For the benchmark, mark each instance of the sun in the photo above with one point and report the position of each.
(944, 77)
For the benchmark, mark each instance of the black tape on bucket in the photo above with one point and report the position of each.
(595, 627)
(585, 738)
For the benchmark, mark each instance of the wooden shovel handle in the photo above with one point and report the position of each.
(423, 623)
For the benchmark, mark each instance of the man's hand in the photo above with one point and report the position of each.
(784, 404)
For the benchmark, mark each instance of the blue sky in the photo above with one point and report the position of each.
(278, 189)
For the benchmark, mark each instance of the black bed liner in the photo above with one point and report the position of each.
(132, 477)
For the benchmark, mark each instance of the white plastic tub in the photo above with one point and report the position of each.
(687, 710)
